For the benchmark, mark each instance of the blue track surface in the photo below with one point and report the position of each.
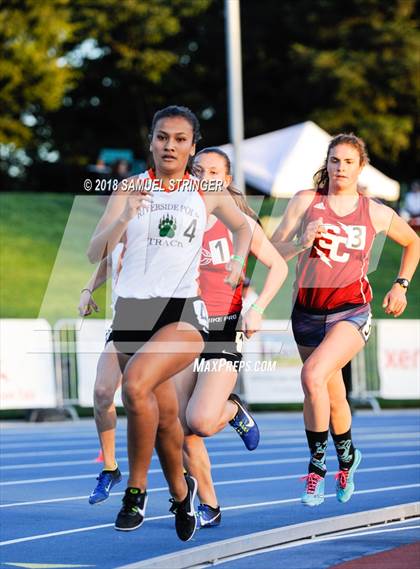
(48, 471)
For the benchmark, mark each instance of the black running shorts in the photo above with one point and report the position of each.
(137, 320)
(225, 338)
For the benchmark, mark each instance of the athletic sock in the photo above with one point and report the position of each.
(345, 449)
(317, 442)
(134, 491)
(114, 469)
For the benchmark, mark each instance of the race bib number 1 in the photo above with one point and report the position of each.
(219, 251)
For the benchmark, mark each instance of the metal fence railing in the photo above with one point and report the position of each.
(365, 374)
(65, 360)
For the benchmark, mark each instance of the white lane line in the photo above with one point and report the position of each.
(237, 507)
(220, 483)
(240, 452)
(277, 422)
(211, 444)
(310, 541)
(214, 466)
(228, 434)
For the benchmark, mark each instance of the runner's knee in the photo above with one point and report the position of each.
(103, 396)
(313, 378)
(201, 423)
(136, 389)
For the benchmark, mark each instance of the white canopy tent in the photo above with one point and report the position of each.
(282, 162)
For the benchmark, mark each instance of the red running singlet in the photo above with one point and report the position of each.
(333, 273)
(217, 250)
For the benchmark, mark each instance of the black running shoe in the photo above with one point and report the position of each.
(185, 519)
(132, 513)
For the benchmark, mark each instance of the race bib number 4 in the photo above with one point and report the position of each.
(201, 314)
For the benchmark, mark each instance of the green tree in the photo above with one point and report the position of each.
(363, 62)
(350, 65)
(62, 54)
(138, 70)
(33, 77)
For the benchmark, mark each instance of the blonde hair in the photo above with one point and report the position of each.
(237, 195)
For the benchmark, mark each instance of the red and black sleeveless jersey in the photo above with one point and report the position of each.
(333, 273)
(216, 252)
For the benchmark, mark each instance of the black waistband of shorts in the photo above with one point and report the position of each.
(160, 299)
(225, 317)
(341, 308)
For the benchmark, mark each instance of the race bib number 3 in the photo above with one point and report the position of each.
(356, 237)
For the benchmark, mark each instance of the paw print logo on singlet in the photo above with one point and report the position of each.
(167, 226)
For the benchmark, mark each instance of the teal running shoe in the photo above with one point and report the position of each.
(314, 490)
(345, 479)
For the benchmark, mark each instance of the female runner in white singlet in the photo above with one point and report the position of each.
(160, 322)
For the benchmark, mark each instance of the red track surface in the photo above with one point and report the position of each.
(404, 557)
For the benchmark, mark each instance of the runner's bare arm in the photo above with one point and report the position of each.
(386, 220)
(87, 303)
(267, 254)
(222, 205)
(121, 208)
(283, 236)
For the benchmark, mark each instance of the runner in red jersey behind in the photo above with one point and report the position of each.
(333, 273)
(334, 228)
(205, 395)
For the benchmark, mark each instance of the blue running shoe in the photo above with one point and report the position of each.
(106, 480)
(208, 517)
(244, 424)
(345, 479)
(314, 490)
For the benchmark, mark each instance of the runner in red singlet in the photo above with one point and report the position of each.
(206, 401)
(332, 229)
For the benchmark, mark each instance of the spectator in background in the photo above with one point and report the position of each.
(411, 208)
(120, 170)
(100, 168)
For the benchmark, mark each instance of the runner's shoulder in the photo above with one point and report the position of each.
(302, 200)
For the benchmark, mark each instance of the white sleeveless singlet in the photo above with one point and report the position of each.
(163, 246)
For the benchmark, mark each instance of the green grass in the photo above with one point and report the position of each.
(43, 263)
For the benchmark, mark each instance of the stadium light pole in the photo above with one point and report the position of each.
(234, 72)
